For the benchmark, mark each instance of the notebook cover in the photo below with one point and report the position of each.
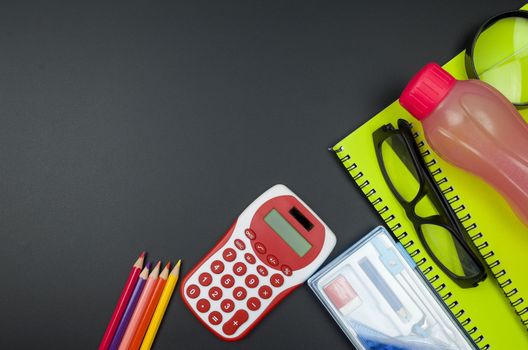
(495, 313)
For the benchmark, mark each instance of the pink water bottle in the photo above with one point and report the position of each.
(473, 126)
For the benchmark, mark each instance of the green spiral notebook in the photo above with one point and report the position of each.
(495, 313)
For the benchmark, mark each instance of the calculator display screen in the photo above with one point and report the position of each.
(286, 231)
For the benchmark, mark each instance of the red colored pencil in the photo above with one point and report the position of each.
(122, 303)
(149, 311)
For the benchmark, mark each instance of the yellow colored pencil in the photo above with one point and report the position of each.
(160, 309)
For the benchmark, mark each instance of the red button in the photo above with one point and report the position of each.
(286, 270)
(260, 248)
(250, 234)
(239, 244)
(252, 281)
(277, 280)
(229, 254)
(227, 281)
(205, 279)
(217, 266)
(253, 304)
(264, 292)
(203, 305)
(215, 318)
(239, 318)
(262, 270)
(239, 269)
(272, 260)
(215, 293)
(239, 293)
(227, 305)
(250, 258)
(193, 291)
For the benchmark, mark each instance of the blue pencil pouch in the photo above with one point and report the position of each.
(381, 300)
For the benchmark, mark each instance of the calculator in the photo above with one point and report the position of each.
(273, 247)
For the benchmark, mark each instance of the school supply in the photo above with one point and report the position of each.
(487, 312)
(140, 308)
(164, 299)
(149, 311)
(473, 126)
(434, 221)
(272, 248)
(498, 55)
(122, 303)
(127, 315)
(398, 309)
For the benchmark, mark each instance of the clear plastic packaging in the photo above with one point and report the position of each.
(381, 300)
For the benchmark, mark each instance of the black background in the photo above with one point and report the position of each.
(150, 125)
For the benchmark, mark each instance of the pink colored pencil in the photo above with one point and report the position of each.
(140, 308)
(122, 303)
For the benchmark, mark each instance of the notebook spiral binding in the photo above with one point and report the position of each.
(421, 261)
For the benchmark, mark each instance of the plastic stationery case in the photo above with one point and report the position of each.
(381, 300)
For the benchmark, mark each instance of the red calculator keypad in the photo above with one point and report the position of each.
(237, 271)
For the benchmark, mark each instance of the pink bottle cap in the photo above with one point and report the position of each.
(426, 90)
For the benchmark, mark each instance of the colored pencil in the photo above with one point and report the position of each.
(160, 309)
(130, 308)
(140, 307)
(147, 315)
(122, 303)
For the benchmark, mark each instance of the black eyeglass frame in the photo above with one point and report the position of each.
(428, 187)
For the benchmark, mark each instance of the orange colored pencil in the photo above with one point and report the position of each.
(149, 310)
(122, 303)
(140, 308)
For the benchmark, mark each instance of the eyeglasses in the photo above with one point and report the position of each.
(438, 228)
(498, 55)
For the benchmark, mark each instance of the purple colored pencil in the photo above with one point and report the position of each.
(127, 315)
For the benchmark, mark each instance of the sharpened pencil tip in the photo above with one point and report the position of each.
(176, 270)
(167, 266)
(142, 255)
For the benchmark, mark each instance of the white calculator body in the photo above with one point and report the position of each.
(274, 246)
